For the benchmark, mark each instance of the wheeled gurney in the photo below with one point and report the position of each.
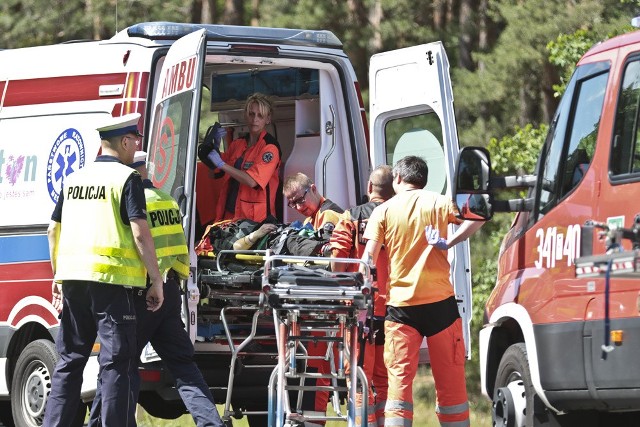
(311, 305)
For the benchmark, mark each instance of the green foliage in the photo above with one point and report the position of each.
(517, 153)
(565, 52)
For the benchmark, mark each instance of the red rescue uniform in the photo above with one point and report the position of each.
(262, 162)
(347, 241)
(421, 303)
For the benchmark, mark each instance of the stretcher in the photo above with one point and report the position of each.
(311, 305)
(232, 298)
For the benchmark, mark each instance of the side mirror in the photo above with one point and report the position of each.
(472, 190)
(474, 206)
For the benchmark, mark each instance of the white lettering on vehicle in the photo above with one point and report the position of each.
(554, 246)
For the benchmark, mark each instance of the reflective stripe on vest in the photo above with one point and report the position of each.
(165, 223)
(94, 243)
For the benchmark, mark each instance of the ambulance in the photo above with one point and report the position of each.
(561, 338)
(182, 78)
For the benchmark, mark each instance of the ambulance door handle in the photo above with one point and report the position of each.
(330, 129)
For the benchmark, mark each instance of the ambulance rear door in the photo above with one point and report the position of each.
(173, 138)
(411, 113)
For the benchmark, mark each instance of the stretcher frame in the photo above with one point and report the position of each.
(299, 306)
(250, 300)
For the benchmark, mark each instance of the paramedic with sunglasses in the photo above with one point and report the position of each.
(302, 195)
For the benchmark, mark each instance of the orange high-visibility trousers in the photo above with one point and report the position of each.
(376, 373)
(447, 355)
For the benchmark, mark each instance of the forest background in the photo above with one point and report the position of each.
(509, 62)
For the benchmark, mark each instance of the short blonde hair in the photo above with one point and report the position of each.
(295, 181)
(264, 104)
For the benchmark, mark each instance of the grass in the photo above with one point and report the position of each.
(424, 403)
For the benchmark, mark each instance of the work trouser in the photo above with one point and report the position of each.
(447, 356)
(90, 309)
(166, 332)
(371, 354)
(314, 403)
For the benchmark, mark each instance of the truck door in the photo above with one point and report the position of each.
(411, 112)
(173, 136)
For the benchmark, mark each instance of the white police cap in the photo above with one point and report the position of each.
(139, 159)
(122, 125)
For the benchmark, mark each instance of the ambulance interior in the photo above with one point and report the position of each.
(308, 121)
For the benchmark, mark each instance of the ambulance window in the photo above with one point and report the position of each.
(625, 150)
(169, 141)
(571, 142)
(419, 135)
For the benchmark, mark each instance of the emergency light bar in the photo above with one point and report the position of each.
(623, 264)
(236, 33)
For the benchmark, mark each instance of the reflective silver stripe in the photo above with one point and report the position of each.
(380, 405)
(397, 422)
(453, 409)
(398, 405)
(464, 423)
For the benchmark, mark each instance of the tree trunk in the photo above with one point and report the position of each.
(438, 14)
(255, 13)
(96, 22)
(483, 36)
(549, 101)
(375, 18)
(467, 30)
(196, 11)
(359, 17)
(233, 12)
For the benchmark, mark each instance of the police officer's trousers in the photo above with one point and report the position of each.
(166, 332)
(107, 311)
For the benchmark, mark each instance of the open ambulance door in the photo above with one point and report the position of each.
(173, 140)
(411, 113)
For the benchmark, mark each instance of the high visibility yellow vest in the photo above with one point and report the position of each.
(165, 223)
(94, 243)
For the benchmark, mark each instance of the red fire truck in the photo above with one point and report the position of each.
(560, 348)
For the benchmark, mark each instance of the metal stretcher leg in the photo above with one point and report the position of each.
(235, 350)
(292, 352)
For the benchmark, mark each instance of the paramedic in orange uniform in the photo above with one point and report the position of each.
(249, 170)
(347, 241)
(421, 300)
(302, 195)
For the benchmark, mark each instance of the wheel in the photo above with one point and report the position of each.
(513, 391)
(31, 385)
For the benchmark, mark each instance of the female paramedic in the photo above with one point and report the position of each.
(249, 169)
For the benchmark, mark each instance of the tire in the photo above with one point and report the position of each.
(513, 391)
(31, 385)
(516, 404)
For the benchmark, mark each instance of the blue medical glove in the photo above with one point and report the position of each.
(214, 156)
(434, 239)
(214, 136)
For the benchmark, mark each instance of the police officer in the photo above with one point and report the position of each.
(101, 248)
(164, 328)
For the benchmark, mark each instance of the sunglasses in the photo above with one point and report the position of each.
(297, 202)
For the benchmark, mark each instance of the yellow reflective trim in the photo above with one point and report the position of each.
(167, 230)
(156, 205)
(116, 252)
(171, 250)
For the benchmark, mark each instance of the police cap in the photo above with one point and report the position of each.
(139, 159)
(116, 126)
